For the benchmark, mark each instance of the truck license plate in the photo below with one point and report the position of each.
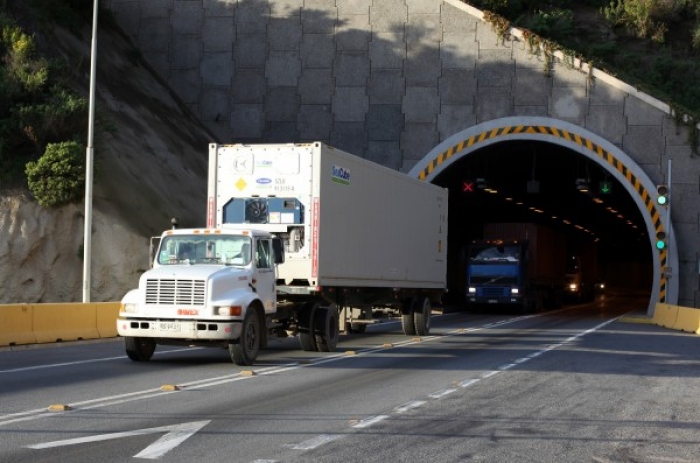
(169, 326)
(493, 301)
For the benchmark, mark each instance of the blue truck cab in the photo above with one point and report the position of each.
(496, 272)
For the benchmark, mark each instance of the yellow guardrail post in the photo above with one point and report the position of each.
(665, 315)
(107, 314)
(64, 322)
(16, 325)
(45, 323)
(688, 320)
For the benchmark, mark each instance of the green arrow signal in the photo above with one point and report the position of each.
(605, 187)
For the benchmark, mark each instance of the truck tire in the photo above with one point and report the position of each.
(245, 351)
(421, 316)
(139, 349)
(408, 323)
(326, 328)
(307, 338)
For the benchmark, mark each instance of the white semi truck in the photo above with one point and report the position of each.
(301, 239)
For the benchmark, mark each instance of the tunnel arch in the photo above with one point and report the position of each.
(609, 157)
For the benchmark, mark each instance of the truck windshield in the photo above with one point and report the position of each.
(492, 254)
(199, 249)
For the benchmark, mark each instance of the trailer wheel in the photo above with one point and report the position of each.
(326, 328)
(139, 349)
(408, 323)
(245, 351)
(307, 338)
(421, 316)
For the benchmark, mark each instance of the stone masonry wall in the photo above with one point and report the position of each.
(388, 80)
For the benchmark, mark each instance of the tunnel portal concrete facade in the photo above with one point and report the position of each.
(390, 80)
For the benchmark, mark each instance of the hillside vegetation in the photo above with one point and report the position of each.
(651, 44)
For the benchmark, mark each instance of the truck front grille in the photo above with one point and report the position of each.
(175, 292)
(493, 292)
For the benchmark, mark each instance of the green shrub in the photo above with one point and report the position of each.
(555, 24)
(58, 177)
(60, 114)
(645, 18)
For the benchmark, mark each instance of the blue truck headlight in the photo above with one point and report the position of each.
(514, 291)
(472, 290)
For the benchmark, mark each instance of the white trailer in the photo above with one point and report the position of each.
(345, 242)
(351, 227)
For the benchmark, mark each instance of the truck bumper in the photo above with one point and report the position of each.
(494, 300)
(179, 329)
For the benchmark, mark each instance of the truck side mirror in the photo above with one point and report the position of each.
(278, 250)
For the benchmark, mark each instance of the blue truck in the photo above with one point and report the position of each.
(519, 265)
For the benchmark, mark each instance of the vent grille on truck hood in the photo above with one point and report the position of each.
(175, 292)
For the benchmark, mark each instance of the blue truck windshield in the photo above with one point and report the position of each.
(491, 254)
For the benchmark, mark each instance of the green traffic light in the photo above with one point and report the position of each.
(662, 200)
(660, 245)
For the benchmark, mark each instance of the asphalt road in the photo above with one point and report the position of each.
(571, 385)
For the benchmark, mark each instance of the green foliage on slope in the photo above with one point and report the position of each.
(38, 110)
(652, 44)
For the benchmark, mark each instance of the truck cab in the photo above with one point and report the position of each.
(495, 272)
(203, 286)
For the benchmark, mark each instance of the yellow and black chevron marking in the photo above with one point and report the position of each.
(602, 153)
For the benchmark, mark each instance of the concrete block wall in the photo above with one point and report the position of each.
(389, 80)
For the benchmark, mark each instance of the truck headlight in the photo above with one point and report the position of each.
(230, 310)
(514, 291)
(573, 287)
(472, 290)
(129, 307)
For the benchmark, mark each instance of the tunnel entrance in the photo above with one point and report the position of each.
(548, 172)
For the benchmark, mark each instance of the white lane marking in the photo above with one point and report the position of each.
(441, 394)
(409, 406)
(175, 435)
(139, 395)
(316, 442)
(469, 382)
(80, 362)
(367, 422)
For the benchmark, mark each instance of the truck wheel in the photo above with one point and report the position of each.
(307, 338)
(139, 349)
(245, 351)
(421, 316)
(407, 321)
(326, 328)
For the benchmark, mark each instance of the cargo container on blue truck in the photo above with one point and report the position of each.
(521, 265)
